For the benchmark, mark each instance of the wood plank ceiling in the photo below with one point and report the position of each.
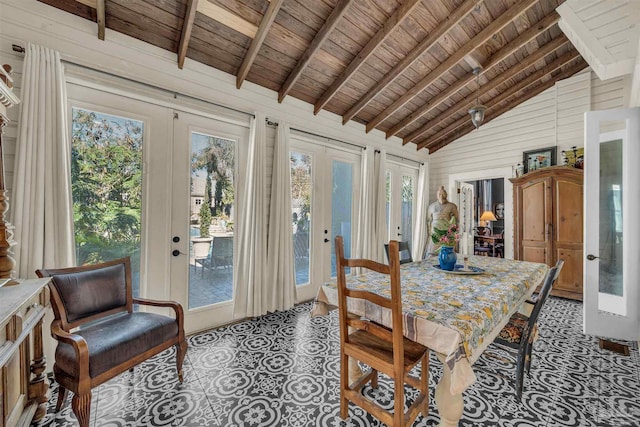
(402, 67)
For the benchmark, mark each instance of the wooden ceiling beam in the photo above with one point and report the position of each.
(331, 22)
(226, 18)
(511, 47)
(444, 67)
(100, 18)
(450, 21)
(436, 145)
(500, 79)
(391, 24)
(256, 43)
(522, 84)
(187, 26)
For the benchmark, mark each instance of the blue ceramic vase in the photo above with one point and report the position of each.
(447, 258)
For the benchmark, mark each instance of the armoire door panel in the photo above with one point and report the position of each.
(570, 278)
(534, 254)
(534, 212)
(568, 211)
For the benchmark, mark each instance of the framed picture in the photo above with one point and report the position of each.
(538, 159)
(498, 210)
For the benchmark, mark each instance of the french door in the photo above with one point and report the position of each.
(612, 208)
(324, 197)
(401, 185)
(204, 203)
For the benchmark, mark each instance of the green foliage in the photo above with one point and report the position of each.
(445, 233)
(106, 177)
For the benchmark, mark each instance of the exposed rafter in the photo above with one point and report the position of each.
(515, 44)
(187, 26)
(436, 145)
(500, 79)
(478, 40)
(100, 18)
(449, 22)
(335, 16)
(391, 24)
(256, 43)
(524, 83)
(226, 18)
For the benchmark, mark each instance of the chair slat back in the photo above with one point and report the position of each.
(405, 252)
(549, 281)
(394, 303)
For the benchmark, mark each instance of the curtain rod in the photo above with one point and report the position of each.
(274, 123)
(20, 49)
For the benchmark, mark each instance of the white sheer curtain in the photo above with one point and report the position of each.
(280, 259)
(372, 229)
(252, 292)
(420, 237)
(42, 205)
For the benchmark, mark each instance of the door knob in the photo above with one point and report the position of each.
(176, 252)
(326, 240)
(591, 257)
(176, 239)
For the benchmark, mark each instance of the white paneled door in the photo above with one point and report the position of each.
(612, 234)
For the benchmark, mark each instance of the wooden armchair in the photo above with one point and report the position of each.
(99, 334)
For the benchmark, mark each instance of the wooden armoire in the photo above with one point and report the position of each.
(548, 223)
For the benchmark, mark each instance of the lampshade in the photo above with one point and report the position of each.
(488, 216)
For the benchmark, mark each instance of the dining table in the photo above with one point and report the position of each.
(455, 314)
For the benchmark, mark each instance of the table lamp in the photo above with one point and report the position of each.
(487, 217)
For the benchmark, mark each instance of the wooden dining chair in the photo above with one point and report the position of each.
(384, 350)
(520, 332)
(405, 252)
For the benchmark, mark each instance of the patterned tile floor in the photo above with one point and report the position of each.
(282, 370)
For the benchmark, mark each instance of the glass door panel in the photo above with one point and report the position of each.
(406, 218)
(301, 205)
(610, 228)
(211, 219)
(341, 208)
(106, 183)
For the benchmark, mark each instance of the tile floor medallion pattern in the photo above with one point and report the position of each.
(282, 370)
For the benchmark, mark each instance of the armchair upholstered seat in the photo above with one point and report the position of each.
(98, 332)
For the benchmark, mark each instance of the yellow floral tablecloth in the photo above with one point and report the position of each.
(455, 315)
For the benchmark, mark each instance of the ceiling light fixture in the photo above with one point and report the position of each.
(477, 111)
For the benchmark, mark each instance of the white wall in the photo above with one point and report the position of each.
(553, 118)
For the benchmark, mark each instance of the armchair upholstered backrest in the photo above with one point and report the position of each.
(90, 293)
